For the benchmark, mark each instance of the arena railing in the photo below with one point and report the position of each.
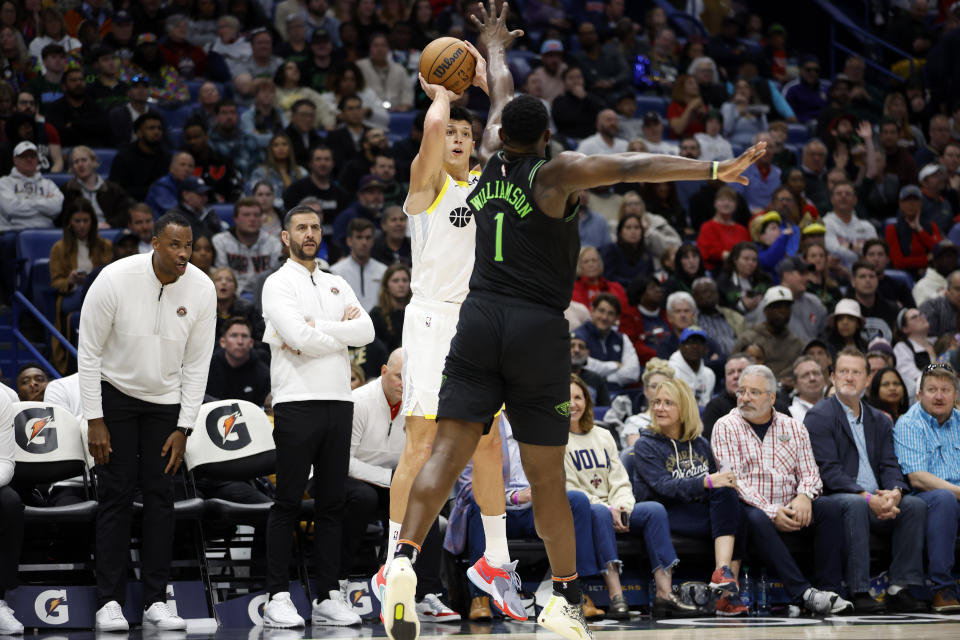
(20, 341)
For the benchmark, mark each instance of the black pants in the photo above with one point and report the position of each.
(314, 432)
(138, 431)
(11, 537)
(367, 503)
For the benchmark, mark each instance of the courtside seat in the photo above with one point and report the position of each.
(50, 449)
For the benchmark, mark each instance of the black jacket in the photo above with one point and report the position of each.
(836, 452)
(250, 381)
(300, 151)
(78, 125)
(135, 170)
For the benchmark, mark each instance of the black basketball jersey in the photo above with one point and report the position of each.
(521, 252)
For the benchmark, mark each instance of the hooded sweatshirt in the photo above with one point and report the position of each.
(28, 203)
(668, 470)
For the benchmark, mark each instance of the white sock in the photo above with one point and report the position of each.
(894, 589)
(393, 536)
(495, 531)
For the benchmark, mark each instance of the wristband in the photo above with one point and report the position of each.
(513, 498)
(869, 496)
(709, 482)
(713, 170)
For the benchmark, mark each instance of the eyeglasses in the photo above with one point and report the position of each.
(753, 393)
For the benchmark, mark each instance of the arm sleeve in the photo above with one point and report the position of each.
(52, 203)
(288, 322)
(650, 465)
(833, 248)
(629, 370)
(825, 452)
(7, 443)
(897, 258)
(907, 367)
(602, 368)
(780, 104)
(359, 469)
(909, 445)
(196, 360)
(96, 322)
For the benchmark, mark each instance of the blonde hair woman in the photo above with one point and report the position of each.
(674, 466)
(594, 468)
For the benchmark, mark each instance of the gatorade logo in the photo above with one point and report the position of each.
(447, 63)
(35, 430)
(51, 606)
(255, 609)
(227, 429)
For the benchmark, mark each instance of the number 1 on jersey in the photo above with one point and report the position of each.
(498, 251)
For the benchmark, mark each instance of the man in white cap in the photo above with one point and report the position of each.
(781, 345)
(936, 208)
(27, 199)
(550, 73)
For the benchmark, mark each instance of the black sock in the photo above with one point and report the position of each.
(569, 588)
(407, 549)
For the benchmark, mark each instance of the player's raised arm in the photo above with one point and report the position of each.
(496, 38)
(426, 170)
(572, 171)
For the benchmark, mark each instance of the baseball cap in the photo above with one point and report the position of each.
(813, 227)
(371, 182)
(551, 46)
(146, 38)
(23, 147)
(194, 184)
(651, 117)
(911, 191)
(774, 295)
(944, 245)
(792, 263)
(690, 332)
(122, 17)
(879, 345)
(847, 307)
(929, 170)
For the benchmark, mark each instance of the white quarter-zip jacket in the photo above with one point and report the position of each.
(377, 440)
(293, 296)
(151, 341)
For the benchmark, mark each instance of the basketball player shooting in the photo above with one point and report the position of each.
(443, 235)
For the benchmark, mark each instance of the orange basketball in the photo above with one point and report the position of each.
(448, 62)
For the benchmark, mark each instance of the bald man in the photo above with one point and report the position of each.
(164, 194)
(605, 140)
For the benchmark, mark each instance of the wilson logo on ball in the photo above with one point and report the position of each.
(460, 217)
(447, 63)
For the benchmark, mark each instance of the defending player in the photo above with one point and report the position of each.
(443, 234)
(512, 342)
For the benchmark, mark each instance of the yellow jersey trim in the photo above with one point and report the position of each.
(443, 190)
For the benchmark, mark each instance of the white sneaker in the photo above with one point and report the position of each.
(399, 601)
(110, 618)
(335, 611)
(432, 609)
(9, 625)
(160, 617)
(564, 619)
(825, 602)
(279, 612)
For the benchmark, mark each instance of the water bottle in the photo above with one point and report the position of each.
(746, 590)
(763, 595)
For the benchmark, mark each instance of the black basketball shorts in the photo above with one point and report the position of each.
(513, 352)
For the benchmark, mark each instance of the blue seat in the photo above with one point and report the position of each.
(651, 103)
(33, 245)
(401, 122)
(175, 134)
(225, 211)
(903, 276)
(177, 117)
(737, 149)
(109, 234)
(41, 293)
(797, 133)
(105, 158)
(59, 179)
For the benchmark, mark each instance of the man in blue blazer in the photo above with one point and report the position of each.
(853, 445)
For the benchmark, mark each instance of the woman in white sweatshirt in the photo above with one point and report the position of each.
(593, 466)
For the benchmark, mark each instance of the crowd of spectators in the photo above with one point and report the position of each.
(846, 236)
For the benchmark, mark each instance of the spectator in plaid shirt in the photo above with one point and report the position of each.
(778, 481)
(926, 440)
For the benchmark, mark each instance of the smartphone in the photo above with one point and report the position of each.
(625, 518)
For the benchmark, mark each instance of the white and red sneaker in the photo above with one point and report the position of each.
(501, 584)
(432, 609)
(378, 584)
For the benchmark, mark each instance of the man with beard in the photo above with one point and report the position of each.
(139, 164)
(720, 323)
(122, 117)
(312, 317)
(726, 400)
(779, 481)
(216, 169)
(76, 116)
(369, 206)
(373, 140)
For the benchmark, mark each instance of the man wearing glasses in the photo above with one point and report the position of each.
(926, 440)
(778, 481)
(806, 95)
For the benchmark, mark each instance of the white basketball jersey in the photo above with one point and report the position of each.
(443, 241)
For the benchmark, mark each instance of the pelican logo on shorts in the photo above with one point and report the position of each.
(181, 311)
(226, 427)
(51, 606)
(460, 217)
(563, 409)
(35, 430)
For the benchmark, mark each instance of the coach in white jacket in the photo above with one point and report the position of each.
(312, 318)
(147, 328)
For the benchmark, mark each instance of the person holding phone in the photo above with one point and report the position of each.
(673, 465)
(593, 466)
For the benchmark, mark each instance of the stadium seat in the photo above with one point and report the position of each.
(33, 245)
(903, 276)
(225, 211)
(110, 234)
(737, 149)
(59, 179)
(175, 134)
(40, 291)
(178, 116)
(401, 122)
(651, 103)
(797, 134)
(105, 158)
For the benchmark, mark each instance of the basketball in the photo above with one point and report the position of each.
(448, 62)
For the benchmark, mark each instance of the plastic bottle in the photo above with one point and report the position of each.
(746, 590)
(763, 595)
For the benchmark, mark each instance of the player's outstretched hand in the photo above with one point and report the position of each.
(493, 27)
(730, 170)
(433, 90)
